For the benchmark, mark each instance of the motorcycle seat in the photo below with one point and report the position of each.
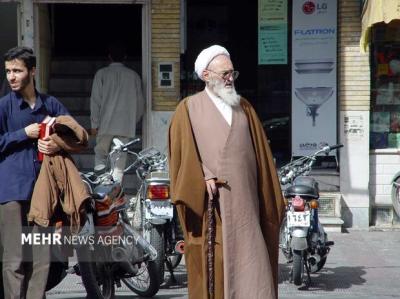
(301, 190)
(306, 181)
(112, 191)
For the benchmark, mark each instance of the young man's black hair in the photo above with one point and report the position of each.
(117, 51)
(22, 53)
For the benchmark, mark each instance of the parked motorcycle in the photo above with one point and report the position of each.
(303, 239)
(152, 211)
(395, 194)
(102, 266)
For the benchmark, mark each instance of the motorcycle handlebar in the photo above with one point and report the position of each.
(303, 164)
(125, 146)
(336, 146)
(326, 149)
(120, 147)
(149, 157)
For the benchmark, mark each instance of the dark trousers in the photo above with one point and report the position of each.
(21, 278)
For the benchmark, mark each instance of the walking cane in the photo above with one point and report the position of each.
(211, 229)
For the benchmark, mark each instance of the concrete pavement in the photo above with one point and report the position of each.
(361, 265)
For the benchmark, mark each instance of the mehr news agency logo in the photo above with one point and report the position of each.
(76, 240)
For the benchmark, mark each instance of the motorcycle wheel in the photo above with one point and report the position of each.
(96, 276)
(155, 236)
(145, 283)
(298, 267)
(321, 264)
(284, 242)
(396, 195)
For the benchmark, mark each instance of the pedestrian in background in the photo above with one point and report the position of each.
(216, 136)
(116, 105)
(21, 112)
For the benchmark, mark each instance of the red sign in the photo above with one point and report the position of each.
(308, 7)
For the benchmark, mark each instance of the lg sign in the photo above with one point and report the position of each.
(308, 7)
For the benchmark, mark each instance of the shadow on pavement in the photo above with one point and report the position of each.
(181, 281)
(328, 279)
(121, 296)
(156, 296)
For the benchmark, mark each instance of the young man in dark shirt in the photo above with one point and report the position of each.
(21, 112)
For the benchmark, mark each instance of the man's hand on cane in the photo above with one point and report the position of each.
(212, 189)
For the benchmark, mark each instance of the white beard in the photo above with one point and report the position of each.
(227, 94)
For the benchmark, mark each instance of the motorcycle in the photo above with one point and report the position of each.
(102, 265)
(395, 194)
(152, 211)
(303, 240)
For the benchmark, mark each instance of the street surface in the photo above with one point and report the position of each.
(361, 265)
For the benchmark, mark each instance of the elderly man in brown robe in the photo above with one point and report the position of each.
(216, 135)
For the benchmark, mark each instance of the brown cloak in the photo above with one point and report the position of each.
(188, 193)
(59, 180)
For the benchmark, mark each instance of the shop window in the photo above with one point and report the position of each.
(385, 86)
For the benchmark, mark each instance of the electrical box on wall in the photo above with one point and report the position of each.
(165, 75)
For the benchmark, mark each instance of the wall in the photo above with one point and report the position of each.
(354, 97)
(384, 164)
(165, 47)
(8, 32)
(44, 46)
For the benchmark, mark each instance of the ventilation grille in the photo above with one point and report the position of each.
(328, 203)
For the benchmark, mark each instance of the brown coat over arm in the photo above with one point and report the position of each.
(59, 180)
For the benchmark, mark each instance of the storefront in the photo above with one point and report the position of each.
(286, 54)
(361, 89)
(380, 40)
(357, 93)
(79, 31)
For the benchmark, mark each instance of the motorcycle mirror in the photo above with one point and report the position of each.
(117, 143)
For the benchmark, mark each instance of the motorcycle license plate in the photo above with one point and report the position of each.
(159, 209)
(301, 219)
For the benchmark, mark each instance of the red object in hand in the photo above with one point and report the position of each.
(46, 129)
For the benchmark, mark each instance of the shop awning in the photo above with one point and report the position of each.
(376, 11)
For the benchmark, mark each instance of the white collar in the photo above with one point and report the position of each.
(224, 108)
